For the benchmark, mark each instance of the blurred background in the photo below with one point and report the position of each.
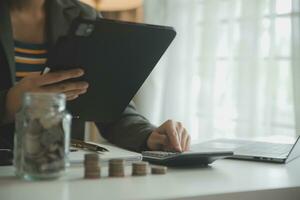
(233, 70)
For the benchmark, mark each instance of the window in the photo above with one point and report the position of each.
(231, 65)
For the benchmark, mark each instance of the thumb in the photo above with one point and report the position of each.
(157, 141)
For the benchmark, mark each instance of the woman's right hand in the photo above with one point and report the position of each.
(47, 83)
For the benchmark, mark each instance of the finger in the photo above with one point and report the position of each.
(65, 87)
(184, 137)
(180, 130)
(157, 141)
(71, 98)
(184, 140)
(55, 77)
(75, 92)
(171, 132)
(161, 141)
(188, 143)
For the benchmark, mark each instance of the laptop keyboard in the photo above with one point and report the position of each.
(261, 148)
(244, 147)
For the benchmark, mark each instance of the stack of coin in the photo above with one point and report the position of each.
(116, 168)
(91, 166)
(140, 168)
(159, 170)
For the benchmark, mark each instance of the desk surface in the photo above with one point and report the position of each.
(225, 179)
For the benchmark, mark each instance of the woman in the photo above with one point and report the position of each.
(28, 28)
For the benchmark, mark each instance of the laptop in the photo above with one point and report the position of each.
(254, 150)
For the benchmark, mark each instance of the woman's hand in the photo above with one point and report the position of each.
(170, 136)
(51, 83)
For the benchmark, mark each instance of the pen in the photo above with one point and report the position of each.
(45, 71)
(84, 145)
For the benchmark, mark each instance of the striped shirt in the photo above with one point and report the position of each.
(29, 58)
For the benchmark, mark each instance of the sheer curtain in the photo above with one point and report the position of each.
(229, 72)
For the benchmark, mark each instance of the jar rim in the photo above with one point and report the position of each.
(44, 100)
(45, 94)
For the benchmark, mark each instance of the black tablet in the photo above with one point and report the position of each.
(117, 58)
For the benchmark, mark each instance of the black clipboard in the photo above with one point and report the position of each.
(117, 58)
(6, 157)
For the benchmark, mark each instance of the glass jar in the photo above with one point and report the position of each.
(42, 136)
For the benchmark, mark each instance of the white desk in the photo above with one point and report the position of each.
(226, 179)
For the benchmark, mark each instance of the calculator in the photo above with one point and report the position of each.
(184, 159)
